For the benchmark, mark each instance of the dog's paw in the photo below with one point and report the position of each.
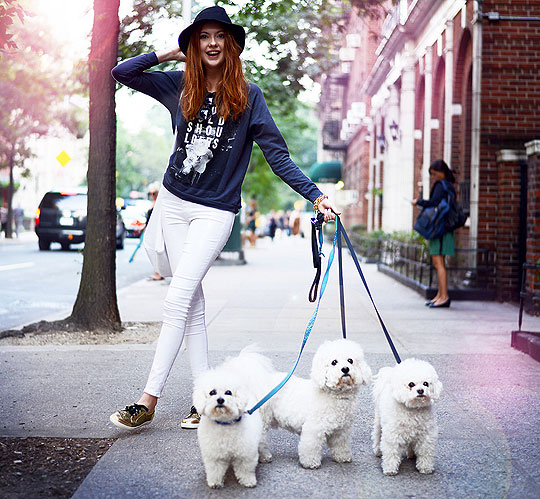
(215, 485)
(310, 464)
(425, 470)
(248, 482)
(390, 472)
(343, 458)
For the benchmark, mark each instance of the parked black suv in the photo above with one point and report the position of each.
(61, 217)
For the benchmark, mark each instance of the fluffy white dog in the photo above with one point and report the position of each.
(321, 409)
(404, 416)
(227, 434)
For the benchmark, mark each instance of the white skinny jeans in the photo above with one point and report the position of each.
(194, 237)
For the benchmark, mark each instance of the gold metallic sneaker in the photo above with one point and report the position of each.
(132, 417)
(192, 420)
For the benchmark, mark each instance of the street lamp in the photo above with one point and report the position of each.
(394, 130)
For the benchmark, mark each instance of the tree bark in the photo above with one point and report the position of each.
(96, 305)
(10, 191)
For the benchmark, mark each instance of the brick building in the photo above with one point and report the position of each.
(457, 80)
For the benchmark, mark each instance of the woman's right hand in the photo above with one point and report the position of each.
(171, 55)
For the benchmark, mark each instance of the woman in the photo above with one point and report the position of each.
(216, 116)
(440, 247)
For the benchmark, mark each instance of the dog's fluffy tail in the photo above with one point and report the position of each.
(254, 365)
(382, 379)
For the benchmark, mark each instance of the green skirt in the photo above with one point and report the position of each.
(446, 247)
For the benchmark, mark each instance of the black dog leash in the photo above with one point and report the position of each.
(316, 251)
(341, 232)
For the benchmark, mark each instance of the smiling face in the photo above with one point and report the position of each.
(212, 45)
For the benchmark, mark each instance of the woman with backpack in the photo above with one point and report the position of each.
(442, 246)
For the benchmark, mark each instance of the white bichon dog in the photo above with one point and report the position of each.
(227, 434)
(404, 416)
(321, 409)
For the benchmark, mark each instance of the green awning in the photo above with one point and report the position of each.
(327, 171)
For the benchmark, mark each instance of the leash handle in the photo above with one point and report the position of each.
(270, 394)
(355, 260)
(316, 250)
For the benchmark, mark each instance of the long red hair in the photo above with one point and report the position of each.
(231, 92)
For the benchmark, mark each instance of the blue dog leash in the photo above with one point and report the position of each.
(306, 334)
(338, 234)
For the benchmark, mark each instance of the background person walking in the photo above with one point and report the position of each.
(216, 116)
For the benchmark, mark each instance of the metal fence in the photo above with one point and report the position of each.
(471, 273)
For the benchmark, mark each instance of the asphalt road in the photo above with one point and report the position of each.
(37, 285)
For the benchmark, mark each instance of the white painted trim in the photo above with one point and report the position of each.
(456, 110)
(428, 94)
(434, 122)
(532, 147)
(448, 92)
(437, 24)
(511, 155)
(475, 131)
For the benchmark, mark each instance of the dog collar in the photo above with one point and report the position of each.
(228, 422)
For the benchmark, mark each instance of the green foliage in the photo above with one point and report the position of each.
(298, 38)
(141, 158)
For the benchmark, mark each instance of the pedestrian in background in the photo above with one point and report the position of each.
(153, 190)
(3, 220)
(216, 116)
(440, 247)
(18, 218)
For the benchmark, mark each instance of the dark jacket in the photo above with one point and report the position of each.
(437, 194)
(211, 156)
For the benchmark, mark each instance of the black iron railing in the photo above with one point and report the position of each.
(470, 272)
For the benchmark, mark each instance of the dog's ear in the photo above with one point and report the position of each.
(200, 396)
(318, 368)
(399, 390)
(436, 389)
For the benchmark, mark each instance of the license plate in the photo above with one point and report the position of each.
(66, 221)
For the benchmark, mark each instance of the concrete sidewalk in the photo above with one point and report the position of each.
(488, 415)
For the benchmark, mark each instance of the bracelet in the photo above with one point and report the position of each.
(317, 202)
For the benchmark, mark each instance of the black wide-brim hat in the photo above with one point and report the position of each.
(219, 15)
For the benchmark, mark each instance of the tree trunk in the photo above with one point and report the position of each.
(96, 305)
(11, 189)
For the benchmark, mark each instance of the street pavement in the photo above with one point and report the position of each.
(488, 414)
(42, 285)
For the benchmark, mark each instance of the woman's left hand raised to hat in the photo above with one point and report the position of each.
(171, 55)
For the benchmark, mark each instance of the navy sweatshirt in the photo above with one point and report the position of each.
(211, 155)
(437, 194)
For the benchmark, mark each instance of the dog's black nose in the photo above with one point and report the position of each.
(420, 391)
(220, 400)
(345, 370)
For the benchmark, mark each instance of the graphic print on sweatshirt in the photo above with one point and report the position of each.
(202, 146)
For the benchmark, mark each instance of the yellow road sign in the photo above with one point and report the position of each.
(63, 158)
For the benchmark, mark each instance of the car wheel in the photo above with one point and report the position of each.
(65, 246)
(44, 245)
(120, 243)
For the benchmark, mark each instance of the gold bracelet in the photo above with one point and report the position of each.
(317, 202)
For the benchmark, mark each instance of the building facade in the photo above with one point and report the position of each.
(456, 80)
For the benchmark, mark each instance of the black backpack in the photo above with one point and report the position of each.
(456, 216)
